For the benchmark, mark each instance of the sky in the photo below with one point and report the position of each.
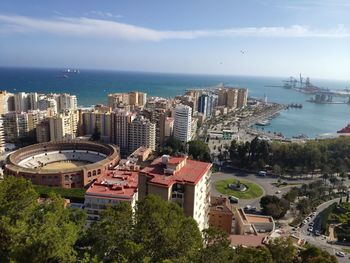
(228, 37)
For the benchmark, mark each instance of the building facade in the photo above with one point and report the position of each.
(142, 132)
(111, 188)
(182, 123)
(120, 128)
(102, 121)
(63, 126)
(180, 180)
(7, 102)
(221, 215)
(2, 137)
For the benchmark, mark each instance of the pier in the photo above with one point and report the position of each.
(326, 97)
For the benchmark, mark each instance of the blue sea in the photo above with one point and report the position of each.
(92, 87)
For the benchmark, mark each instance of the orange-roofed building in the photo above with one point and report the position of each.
(178, 179)
(109, 189)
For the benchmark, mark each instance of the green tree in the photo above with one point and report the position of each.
(33, 232)
(315, 255)
(111, 238)
(216, 247)
(252, 255)
(173, 145)
(160, 222)
(273, 206)
(199, 150)
(282, 250)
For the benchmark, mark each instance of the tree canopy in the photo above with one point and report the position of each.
(273, 206)
(36, 232)
(326, 155)
(199, 150)
(155, 231)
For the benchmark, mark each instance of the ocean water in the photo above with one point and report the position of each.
(92, 87)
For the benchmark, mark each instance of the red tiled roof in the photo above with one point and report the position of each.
(116, 184)
(190, 173)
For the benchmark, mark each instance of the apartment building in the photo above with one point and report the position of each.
(67, 102)
(20, 125)
(142, 132)
(102, 121)
(182, 115)
(7, 102)
(111, 188)
(2, 137)
(43, 131)
(120, 128)
(232, 97)
(63, 126)
(180, 180)
(25, 101)
(134, 99)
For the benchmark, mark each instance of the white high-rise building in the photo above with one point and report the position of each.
(63, 126)
(142, 132)
(26, 101)
(2, 138)
(67, 102)
(182, 123)
(7, 102)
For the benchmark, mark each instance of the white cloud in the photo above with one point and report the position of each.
(103, 14)
(102, 28)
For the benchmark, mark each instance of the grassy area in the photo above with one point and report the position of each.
(74, 194)
(253, 190)
(346, 250)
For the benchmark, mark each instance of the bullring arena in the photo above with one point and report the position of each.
(63, 164)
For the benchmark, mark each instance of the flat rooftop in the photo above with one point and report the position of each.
(258, 219)
(115, 184)
(246, 240)
(190, 172)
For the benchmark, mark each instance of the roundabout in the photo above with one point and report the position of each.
(241, 189)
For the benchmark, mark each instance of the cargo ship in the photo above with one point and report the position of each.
(345, 130)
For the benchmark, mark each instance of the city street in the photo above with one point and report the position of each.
(321, 241)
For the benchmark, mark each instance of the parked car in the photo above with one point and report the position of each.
(262, 173)
(233, 199)
(317, 233)
(311, 224)
(310, 229)
(340, 254)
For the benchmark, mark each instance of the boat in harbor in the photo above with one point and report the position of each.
(262, 123)
(300, 136)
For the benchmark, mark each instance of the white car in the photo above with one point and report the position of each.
(340, 254)
(310, 229)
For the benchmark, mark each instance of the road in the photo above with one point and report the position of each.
(320, 241)
(264, 182)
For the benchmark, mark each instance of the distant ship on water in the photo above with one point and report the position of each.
(68, 71)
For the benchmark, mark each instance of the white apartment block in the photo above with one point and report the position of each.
(2, 137)
(142, 132)
(63, 126)
(67, 102)
(25, 101)
(182, 123)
